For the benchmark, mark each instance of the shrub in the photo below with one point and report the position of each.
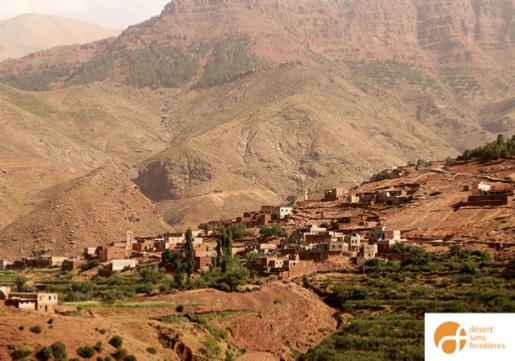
(46, 353)
(74, 359)
(179, 308)
(50, 321)
(102, 331)
(151, 350)
(35, 329)
(120, 354)
(59, 351)
(21, 353)
(116, 341)
(21, 328)
(213, 350)
(130, 358)
(98, 347)
(86, 352)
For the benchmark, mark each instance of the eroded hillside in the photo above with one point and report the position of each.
(215, 107)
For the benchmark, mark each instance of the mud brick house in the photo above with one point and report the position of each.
(491, 195)
(42, 302)
(315, 255)
(400, 171)
(117, 265)
(172, 238)
(203, 263)
(72, 264)
(298, 268)
(355, 242)
(347, 222)
(268, 209)
(108, 253)
(317, 238)
(352, 198)
(337, 247)
(334, 194)
(144, 245)
(44, 261)
(261, 219)
(379, 232)
(367, 197)
(90, 253)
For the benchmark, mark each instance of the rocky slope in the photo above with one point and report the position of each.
(92, 210)
(434, 213)
(29, 33)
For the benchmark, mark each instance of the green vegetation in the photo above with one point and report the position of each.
(120, 354)
(20, 283)
(8, 278)
(492, 151)
(151, 350)
(162, 67)
(116, 341)
(123, 304)
(89, 265)
(213, 350)
(36, 81)
(460, 82)
(382, 176)
(86, 352)
(21, 353)
(35, 329)
(230, 58)
(393, 74)
(189, 262)
(59, 351)
(46, 353)
(94, 70)
(290, 201)
(272, 230)
(387, 305)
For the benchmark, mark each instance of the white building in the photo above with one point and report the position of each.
(282, 212)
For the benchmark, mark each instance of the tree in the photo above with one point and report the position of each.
(116, 341)
(290, 200)
(20, 283)
(151, 274)
(167, 257)
(178, 276)
(190, 255)
(456, 250)
(59, 351)
(228, 244)
(46, 353)
(219, 254)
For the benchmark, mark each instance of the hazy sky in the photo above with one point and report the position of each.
(112, 13)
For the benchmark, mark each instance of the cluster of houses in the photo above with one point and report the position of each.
(402, 193)
(484, 194)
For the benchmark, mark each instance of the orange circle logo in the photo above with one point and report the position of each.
(450, 337)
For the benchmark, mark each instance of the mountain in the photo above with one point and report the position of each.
(92, 210)
(233, 104)
(29, 33)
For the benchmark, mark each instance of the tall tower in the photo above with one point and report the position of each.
(129, 237)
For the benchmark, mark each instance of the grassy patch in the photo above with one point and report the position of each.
(124, 304)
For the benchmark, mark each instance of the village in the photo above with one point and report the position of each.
(286, 240)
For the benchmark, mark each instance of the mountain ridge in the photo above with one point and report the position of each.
(28, 33)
